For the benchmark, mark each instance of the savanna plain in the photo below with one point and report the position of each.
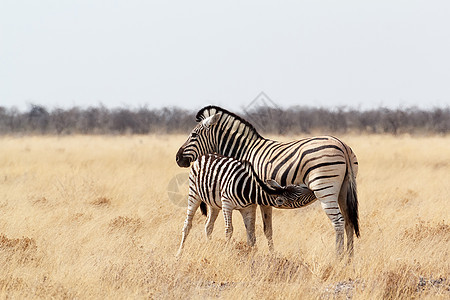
(100, 217)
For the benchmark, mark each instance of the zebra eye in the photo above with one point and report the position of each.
(194, 135)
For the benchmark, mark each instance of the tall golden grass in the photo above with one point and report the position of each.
(90, 217)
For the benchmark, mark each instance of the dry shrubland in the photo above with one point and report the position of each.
(276, 120)
(90, 217)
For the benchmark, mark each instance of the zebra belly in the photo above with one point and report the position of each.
(214, 200)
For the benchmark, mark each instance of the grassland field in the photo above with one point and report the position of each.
(91, 217)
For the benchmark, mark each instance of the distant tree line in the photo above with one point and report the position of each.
(294, 120)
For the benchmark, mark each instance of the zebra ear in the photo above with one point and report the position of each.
(212, 120)
(273, 184)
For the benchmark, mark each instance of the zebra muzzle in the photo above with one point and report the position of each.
(182, 161)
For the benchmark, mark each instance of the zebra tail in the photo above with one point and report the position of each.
(203, 208)
(352, 202)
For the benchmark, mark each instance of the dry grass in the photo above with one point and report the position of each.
(90, 217)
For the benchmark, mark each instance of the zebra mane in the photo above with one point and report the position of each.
(212, 109)
(269, 190)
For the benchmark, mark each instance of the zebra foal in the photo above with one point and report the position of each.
(226, 183)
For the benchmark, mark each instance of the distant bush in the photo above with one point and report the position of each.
(300, 120)
(294, 120)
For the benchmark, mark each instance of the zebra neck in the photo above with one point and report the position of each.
(238, 142)
(265, 198)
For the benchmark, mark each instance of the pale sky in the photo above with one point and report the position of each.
(358, 54)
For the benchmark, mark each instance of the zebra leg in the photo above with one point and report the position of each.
(248, 215)
(193, 204)
(266, 214)
(227, 214)
(213, 213)
(331, 207)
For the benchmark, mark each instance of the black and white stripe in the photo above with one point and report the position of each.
(324, 164)
(226, 183)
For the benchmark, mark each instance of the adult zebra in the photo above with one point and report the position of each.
(327, 166)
